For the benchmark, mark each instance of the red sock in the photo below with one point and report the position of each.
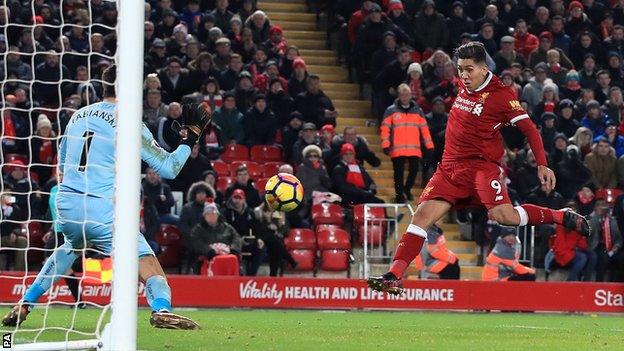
(409, 247)
(542, 215)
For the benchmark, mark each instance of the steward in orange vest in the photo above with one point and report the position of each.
(435, 257)
(502, 263)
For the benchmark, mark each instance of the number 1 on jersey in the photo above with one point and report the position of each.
(88, 135)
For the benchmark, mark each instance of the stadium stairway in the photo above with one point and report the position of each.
(301, 29)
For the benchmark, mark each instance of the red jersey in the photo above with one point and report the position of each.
(476, 118)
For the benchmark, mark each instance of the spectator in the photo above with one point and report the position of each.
(176, 42)
(606, 242)
(436, 258)
(238, 214)
(490, 16)
(560, 144)
(48, 74)
(362, 151)
(582, 138)
(192, 170)
(290, 133)
(14, 63)
(221, 14)
(588, 72)
(11, 236)
(167, 135)
(43, 148)
(430, 29)
(595, 119)
(526, 177)
(532, 92)
(314, 105)
(286, 63)
(259, 123)
(202, 68)
(555, 71)
(401, 130)
(614, 107)
(585, 43)
(572, 86)
(328, 132)
(308, 136)
(164, 28)
(502, 262)
(174, 80)
(244, 183)
(244, 92)
(548, 130)
(386, 54)
(27, 196)
(351, 180)
(603, 80)
(547, 104)
(271, 72)
(398, 16)
(159, 194)
(387, 81)
(602, 164)
(540, 54)
(616, 141)
(191, 15)
(458, 23)
(279, 101)
(566, 123)
(486, 36)
(578, 21)
(570, 250)
(227, 78)
(614, 63)
(229, 120)
(211, 229)
(259, 24)
(561, 40)
(312, 173)
(540, 23)
(223, 52)
(298, 78)
(154, 109)
(272, 228)
(615, 42)
(507, 55)
(247, 48)
(525, 42)
(276, 44)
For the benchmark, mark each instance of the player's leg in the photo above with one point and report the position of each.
(492, 192)
(56, 265)
(158, 291)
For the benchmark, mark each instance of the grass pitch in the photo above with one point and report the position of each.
(337, 331)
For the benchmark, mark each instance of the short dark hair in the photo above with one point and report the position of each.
(241, 168)
(520, 20)
(174, 59)
(473, 50)
(109, 76)
(603, 71)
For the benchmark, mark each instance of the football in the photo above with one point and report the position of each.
(283, 192)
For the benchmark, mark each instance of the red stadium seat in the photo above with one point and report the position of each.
(327, 214)
(221, 168)
(260, 184)
(223, 183)
(235, 152)
(333, 239)
(35, 233)
(9, 158)
(300, 239)
(373, 212)
(306, 259)
(320, 227)
(609, 195)
(254, 169)
(221, 265)
(270, 169)
(334, 260)
(169, 238)
(266, 153)
(375, 233)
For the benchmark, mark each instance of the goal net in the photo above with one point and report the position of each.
(52, 55)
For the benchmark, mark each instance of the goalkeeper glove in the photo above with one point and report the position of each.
(195, 118)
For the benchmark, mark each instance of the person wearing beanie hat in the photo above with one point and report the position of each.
(43, 122)
(43, 146)
(550, 99)
(548, 130)
(612, 136)
(458, 22)
(577, 21)
(560, 143)
(298, 78)
(595, 119)
(401, 19)
(259, 123)
(430, 28)
(276, 44)
(244, 91)
(309, 136)
(327, 135)
(351, 180)
(571, 88)
(614, 65)
(566, 123)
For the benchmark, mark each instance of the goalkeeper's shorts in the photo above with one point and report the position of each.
(88, 221)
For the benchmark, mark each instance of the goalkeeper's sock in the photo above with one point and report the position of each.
(55, 266)
(532, 215)
(158, 293)
(408, 248)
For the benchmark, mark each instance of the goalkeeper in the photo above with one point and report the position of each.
(85, 200)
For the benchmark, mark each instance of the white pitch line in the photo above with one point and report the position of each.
(548, 328)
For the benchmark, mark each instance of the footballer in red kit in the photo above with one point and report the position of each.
(470, 173)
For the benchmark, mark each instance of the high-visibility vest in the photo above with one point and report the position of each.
(502, 262)
(402, 130)
(436, 256)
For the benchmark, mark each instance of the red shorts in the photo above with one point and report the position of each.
(469, 183)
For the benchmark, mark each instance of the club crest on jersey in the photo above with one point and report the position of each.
(483, 97)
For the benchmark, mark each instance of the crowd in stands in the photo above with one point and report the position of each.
(563, 57)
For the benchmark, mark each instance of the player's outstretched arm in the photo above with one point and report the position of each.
(195, 118)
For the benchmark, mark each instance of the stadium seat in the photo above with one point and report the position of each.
(333, 239)
(320, 227)
(221, 265)
(609, 195)
(266, 153)
(260, 183)
(270, 169)
(221, 168)
(375, 233)
(334, 260)
(306, 259)
(169, 238)
(300, 239)
(327, 214)
(373, 212)
(35, 233)
(235, 152)
(223, 183)
(9, 158)
(255, 172)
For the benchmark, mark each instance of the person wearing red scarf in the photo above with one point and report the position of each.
(606, 243)
(351, 180)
